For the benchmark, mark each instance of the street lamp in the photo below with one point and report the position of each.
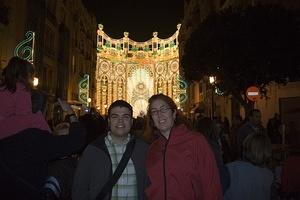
(89, 100)
(212, 80)
(35, 81)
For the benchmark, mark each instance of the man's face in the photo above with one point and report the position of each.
(256, 118)
(120, 121)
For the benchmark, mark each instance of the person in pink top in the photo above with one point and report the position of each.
(15, 94)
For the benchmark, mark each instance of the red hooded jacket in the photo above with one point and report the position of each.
(182, 167)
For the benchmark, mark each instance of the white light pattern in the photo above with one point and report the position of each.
(139, 89)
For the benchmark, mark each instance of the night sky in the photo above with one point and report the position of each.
(138, 17)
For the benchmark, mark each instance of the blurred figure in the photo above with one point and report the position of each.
(289, 187)
(61, 170)
(139, 126)
(15, 94)
(250, 178)
(95, 126)
(223, 132)
(62, 128)
(273, 128)
(24, 158)
(252, 125)
(226, 125)
(208, 128)
(180, 163)
(236, 125)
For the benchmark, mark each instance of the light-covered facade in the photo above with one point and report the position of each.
(134, 71)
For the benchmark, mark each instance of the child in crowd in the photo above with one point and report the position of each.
(15, 94)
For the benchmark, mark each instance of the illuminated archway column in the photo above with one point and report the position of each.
(109, 91)
(170, 88)
(104, 101)
(114, 90)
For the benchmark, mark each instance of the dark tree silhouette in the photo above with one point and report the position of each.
(245, 47)
(4, 14)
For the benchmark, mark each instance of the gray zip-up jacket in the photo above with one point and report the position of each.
(95, 169)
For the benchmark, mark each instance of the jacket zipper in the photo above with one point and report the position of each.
(164, 166)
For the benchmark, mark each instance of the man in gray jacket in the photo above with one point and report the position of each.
(101, 158)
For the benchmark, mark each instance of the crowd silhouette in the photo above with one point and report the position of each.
(160, 155)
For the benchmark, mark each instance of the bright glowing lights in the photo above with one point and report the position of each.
(134, 71)
(212, 79)
(35, 81)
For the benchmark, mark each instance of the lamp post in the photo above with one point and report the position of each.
(212, 80)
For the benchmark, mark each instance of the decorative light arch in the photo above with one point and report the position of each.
(156, 60)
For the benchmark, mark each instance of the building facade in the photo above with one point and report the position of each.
(64, 44)
(134, 71)
(203, 97)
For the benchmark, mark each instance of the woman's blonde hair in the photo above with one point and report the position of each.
(257, 149)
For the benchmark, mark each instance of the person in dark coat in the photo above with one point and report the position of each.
(24, 158)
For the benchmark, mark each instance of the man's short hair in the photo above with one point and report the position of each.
(120, 103)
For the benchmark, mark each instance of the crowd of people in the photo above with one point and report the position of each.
(158, 156)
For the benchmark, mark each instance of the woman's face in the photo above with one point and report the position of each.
(163, 116)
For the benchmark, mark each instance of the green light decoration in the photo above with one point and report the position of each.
(25, 49)
(172, 44)
(218, 91)
(107, 44)
(161, 48)
(84, 89)
(183, 98)
(146, 49)
(118, 47)
(134, 49)
(182, 89)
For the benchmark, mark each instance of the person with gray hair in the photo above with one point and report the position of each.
(250, 178)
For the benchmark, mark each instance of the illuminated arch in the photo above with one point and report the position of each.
(134, 70)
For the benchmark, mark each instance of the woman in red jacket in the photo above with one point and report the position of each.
(180, 163)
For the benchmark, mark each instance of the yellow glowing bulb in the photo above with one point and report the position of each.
(35, 81)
